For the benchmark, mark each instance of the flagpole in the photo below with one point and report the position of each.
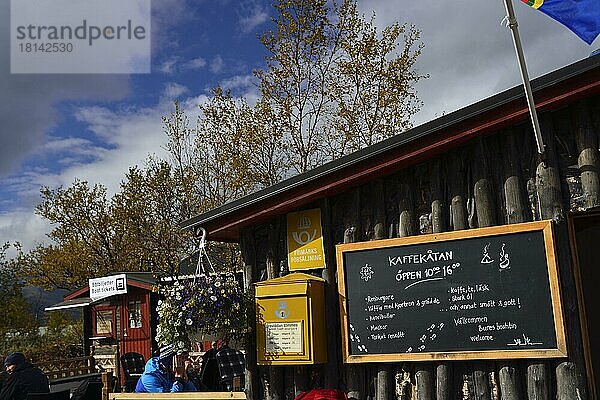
(512, 24)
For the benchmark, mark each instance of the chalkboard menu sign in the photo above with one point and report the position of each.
(473, 294)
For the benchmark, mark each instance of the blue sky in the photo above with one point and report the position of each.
(57, 128)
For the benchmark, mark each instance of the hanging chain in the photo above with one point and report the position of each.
(200, 270)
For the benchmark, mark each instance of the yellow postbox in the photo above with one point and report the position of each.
(290, 325)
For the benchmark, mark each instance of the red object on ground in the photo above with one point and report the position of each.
(322, 394)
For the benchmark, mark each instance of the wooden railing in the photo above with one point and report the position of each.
(71, 367)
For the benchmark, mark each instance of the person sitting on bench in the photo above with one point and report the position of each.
(156, 377)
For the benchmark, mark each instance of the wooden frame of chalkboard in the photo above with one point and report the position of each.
(488, 293)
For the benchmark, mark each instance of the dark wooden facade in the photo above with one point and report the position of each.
(477, 167)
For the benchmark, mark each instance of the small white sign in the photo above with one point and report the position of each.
(284, 337)
(107, 286)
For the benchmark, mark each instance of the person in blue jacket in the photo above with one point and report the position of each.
(157, 379)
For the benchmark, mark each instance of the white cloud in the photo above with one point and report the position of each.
(216, 64)
(23, 224)
(168, 66)
(257, 17)
(131, 134)
(195, 63)
(174, 65)
(173, 90)
(28, 110)
(238, 82)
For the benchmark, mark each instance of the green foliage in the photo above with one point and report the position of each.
(93, 235)
(335, 81)
(19, 330)
(62, 339)
(148, 209)
(40, 346)
(15, 315)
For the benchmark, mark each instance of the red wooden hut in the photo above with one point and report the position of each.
(121, 321)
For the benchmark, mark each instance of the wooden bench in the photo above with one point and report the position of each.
(180, 395)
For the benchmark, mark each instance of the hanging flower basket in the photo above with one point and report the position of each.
(212, 304)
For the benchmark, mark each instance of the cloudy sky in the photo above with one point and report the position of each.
(57, 128)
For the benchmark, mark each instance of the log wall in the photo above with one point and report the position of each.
(494, 180)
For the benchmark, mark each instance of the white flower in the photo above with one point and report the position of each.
(213, 298)
(189, 321)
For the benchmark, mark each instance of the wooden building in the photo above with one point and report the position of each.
(473, 168)
(117, 324)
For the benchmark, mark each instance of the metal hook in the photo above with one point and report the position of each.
(201, 251)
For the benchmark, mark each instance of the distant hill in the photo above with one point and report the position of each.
(39, 299)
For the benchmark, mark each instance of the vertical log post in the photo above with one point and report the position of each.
(509, 382)
(402, 384)
(301, 380)
(515, 213)
(437, 195)
(406, 227)
(513, 193)
(570, 380)
(424, 382)
(377, 190)
(296, 379)
(587, 145)
(549, 195)
(482, 191)
(458, 218)
(547, 178)
(249, 259)
(332, 371)
(355, 374)
(107, 379)
(458, 202)
(290, 383)
(443, 384)
(476, 380)
(275, 375)
(443, 373)
(537, 381)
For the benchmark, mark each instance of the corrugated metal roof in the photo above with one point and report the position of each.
(74, 303)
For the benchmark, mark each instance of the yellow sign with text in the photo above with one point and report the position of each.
(305, 240)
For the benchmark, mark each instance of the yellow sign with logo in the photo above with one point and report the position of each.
(305, 240)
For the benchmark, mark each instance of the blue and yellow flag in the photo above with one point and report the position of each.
(580, 16)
